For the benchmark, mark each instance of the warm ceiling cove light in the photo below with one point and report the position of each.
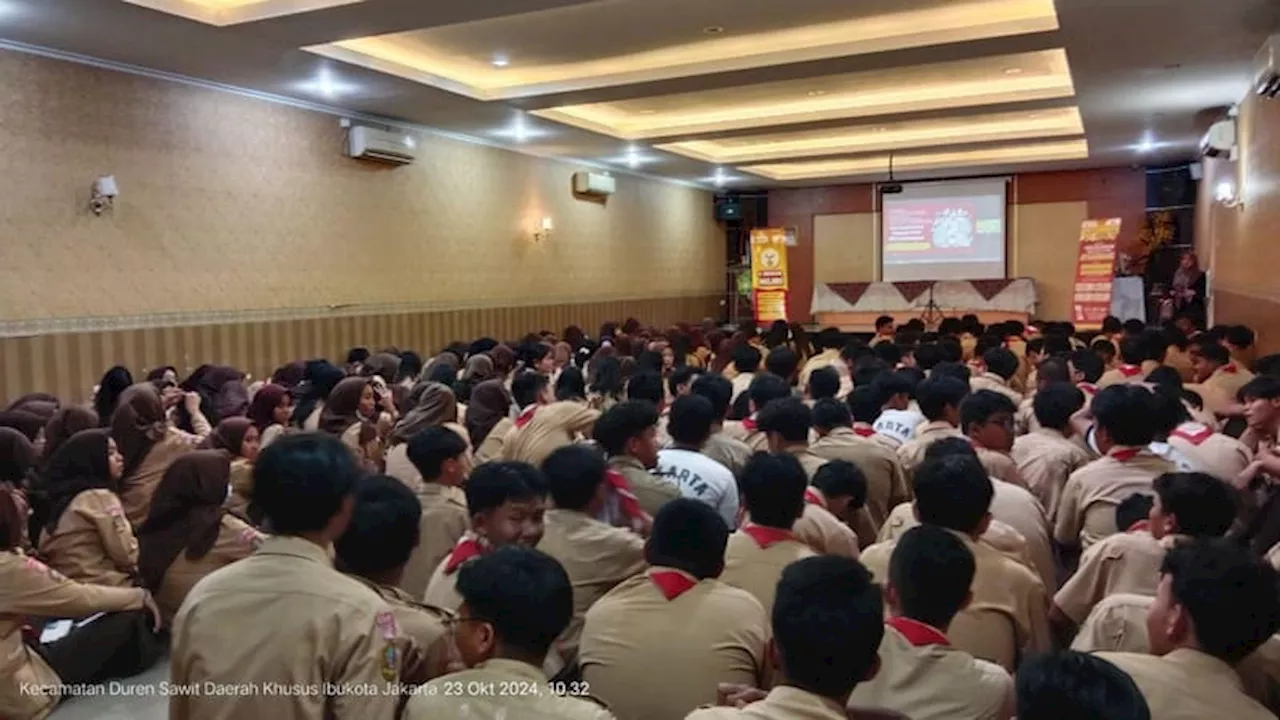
(234, 12)
(437, 57)
(713, 30)
(879, 164)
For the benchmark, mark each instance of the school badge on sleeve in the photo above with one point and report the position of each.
(390, 662)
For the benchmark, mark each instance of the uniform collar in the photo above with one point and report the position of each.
(514, 667)
(917, 633)
(672, 583)
(1129, 370)
(1049, 432)
(792, 702)
(296, 547)
(935, 426)
(619, 462)
(865, 430)
(766, 537)
(1123, 454)
(1201, 664)
(814, 496)
(988, 375)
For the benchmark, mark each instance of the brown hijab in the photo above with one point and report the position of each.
(383, 364)
(138, 423)
(479, 368)
(79, 464)
(504, 360)
(67, 422)
(446, 358)
(433, 404)
(230, 434)
(27, 423)
(490, 402)
(186, 512)
(342, 409)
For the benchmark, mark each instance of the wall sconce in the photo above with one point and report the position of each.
(1228, 195)
(103, 195)
(543, 229)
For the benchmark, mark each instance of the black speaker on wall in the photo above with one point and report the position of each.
(729, 210)
(1170, 188)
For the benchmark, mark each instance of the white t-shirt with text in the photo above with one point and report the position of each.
(701, 478)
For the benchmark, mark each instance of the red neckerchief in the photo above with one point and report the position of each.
(917, 633)
(467, 548)
(1140, 526)
(1195, 437)
(525, 416)
(1230, 369)
(671, 583)
(767, 537)
(749, 424)
(1088, 387)
(864, 431)
(627, 501)
(1124, 454)
(1129, 370)
(813, 497)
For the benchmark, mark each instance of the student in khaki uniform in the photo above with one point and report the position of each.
(840, 489)
(1136, 361)
(649, 387)
(487, 420)
(986, 418)
(1186, 505)
(1001, 365)
(1008, 614)
(1061, 685)
(148, 443)
(829, 343)
(939, 397)
(837, 440)
(827, 627)
(375, 549)
(188, 533)
(239, 438)
(764, 389)
(746, 363)
(1215, 370)
(866, 405)
(506, 503)
(1118, 623)
(313, 624)
(516, 601)
(1124, 426)
(1046, 457)
(711, 633)
(596, 555)
(1216, 604)
(1086, 370)
(1211, 452)
(773, 495)
(543, 425)
(721, 447)
(921, 675)
(438, 456)
(628, 432)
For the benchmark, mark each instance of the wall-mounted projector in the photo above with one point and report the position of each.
(891, 189)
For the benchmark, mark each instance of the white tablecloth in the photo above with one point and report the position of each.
(1018, 297)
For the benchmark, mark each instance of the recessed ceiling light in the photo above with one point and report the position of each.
(326, 85)
(648, 112)
(1146, 145)
(816, 93)
(520, 130)
(713, 30)
(1013, 71)
(500, 61)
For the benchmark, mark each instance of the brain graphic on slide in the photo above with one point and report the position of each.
(953, 228)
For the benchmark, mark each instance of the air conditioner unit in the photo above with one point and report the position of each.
(1268, 78)
(1220, 141)
(367, 143)
(589, 183)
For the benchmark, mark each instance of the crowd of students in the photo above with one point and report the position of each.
(973, 522)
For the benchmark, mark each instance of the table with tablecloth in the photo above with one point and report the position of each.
(854, 307)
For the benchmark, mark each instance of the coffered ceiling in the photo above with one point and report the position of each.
(742, 93)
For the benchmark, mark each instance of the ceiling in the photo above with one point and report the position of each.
(731, 93)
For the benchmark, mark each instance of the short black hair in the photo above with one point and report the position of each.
(865, 404)
(889, 353)
(523, 592)
(1203, 504)
(527, 386)
(746, 358)
(894, 383)
(1127, 413)
(1262, 387)
(828, 621)
(841, 478)
(1134, 326)
(1267, 365)
(646, 386)
(574, 474)
(1112, 324)
(571, 385)
(766, 388)
(950, 350)
(493, 485)
(829, 414)
(927, 356)
(299, 481)
(624, 421)
(1088, 364)
(357, 355)
(782, 361)
(429, 448)
(931, 571)
(937, 393)
(953, 492)
(1001, 361)
(956, 370)
(883, 320)
(1240, 336)
(1056, 403)
(979, 407)
(384, 527)
(1053, 369)
(1103, 348)
(1154, 346)
(682, 375)
(1071, 685)
(1132, 510)
(789, 417)
(1215, 353)
(948, 446)
(824, 383)
(691, 419)
(772, 487)
(829, 339)
(442, 373)
(1233, 597)
(688, 535)
(867, 369)
(717, 389)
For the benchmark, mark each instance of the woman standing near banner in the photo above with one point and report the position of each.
(1186, 294)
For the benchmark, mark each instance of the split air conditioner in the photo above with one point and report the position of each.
(1220, 141)
(589, 183)
(367, 143)
(1267, 82)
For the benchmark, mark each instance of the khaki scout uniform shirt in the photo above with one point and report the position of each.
(490, 449)
(745, 432)
(912, 452)
(1117, 623)
(886, 481)
(444, 520)
(137, 488)
(651, 491)
(1087, 509)
(1228, 379)
(550, 428)
(783, 703)
(284, 615)
(92, 542)
(596, 556)
(499, 690)
(241, 482)
(757, 569)
(828, 358)
(423, 626)
(823, 531)
(29, 587)
(1127, 374)
(1188, 685)
(928, 679)
(1046, 458)
(1000, 466)
(236, 541)
(1009, 611)
(711, 633)
(1122, 563)
(995, 383)
(728, 451)
(1221, 456)
(999, 536)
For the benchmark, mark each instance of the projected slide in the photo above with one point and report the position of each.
(944, 231)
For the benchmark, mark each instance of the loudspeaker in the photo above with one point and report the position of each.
(729, 210)
(1170, 188)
